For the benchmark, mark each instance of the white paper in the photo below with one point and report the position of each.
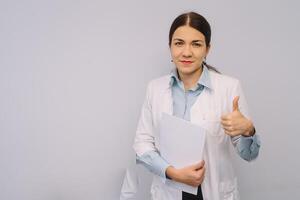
(181, 144)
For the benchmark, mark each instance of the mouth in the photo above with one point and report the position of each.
(186, 62)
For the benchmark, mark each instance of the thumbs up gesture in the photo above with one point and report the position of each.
(235, 123)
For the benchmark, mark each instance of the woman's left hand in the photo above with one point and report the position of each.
(235, 123)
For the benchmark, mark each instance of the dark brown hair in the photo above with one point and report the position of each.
(197, 22)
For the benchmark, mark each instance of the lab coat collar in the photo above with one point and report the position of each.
(204, 79)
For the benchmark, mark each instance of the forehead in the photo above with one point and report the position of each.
(188, 33)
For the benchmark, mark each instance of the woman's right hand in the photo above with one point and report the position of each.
(192, 175)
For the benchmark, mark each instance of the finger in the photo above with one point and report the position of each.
(226, 122)
(199, 165)
(202, 175)
(235, 133)
(201, 171)
(228, 133)
(227, 117)
(224, 117)
(228, 128)
(235, 104)
(196, 184)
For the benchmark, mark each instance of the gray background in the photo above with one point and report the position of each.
(73, 76)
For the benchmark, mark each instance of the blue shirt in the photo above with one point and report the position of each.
(183, 100)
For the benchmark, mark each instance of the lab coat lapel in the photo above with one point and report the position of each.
(167, 101)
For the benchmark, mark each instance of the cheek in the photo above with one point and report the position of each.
(200, 54)
(175, 53)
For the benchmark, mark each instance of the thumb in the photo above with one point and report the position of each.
(199, 165)
(235, 104)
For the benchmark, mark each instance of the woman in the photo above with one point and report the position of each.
(198, 93)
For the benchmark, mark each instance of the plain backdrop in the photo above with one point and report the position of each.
(73, 76)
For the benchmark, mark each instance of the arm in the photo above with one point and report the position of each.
(144, 143)
(191, 175)
(154, 163)
(247, 147)
(239, 126)
(148, 155)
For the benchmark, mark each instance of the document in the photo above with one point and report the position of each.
(181, 144)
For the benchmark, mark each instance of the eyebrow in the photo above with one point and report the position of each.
(183, 40)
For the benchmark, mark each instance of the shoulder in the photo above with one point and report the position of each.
(222, 80)
(159, 83)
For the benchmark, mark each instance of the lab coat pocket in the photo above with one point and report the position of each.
(228, 190)
(164, 192)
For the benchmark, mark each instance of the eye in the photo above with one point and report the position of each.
(197, 44)
(178, 43)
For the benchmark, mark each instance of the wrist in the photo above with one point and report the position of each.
(250, 131)
(171, 172)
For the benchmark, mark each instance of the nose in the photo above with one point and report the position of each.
(187, 51)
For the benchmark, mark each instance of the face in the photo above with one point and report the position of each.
(188, 50)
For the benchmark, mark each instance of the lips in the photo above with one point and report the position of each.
(186, 62)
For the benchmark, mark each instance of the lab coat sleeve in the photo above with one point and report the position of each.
(144, 139)
(144, 143)
(246, 147)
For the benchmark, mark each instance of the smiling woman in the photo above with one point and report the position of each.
(199, 94)
(188, 49)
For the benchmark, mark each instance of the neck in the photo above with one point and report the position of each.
(190, 80)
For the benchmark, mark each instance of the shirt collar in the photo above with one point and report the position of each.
(204, 79)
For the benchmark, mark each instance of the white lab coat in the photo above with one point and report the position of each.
(220, 182)
(136, 184)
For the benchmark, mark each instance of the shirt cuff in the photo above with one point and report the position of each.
(154, 163)
(248, 147)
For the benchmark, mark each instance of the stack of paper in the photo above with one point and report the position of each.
(181, 145)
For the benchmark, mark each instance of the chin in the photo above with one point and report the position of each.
(187, 70)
